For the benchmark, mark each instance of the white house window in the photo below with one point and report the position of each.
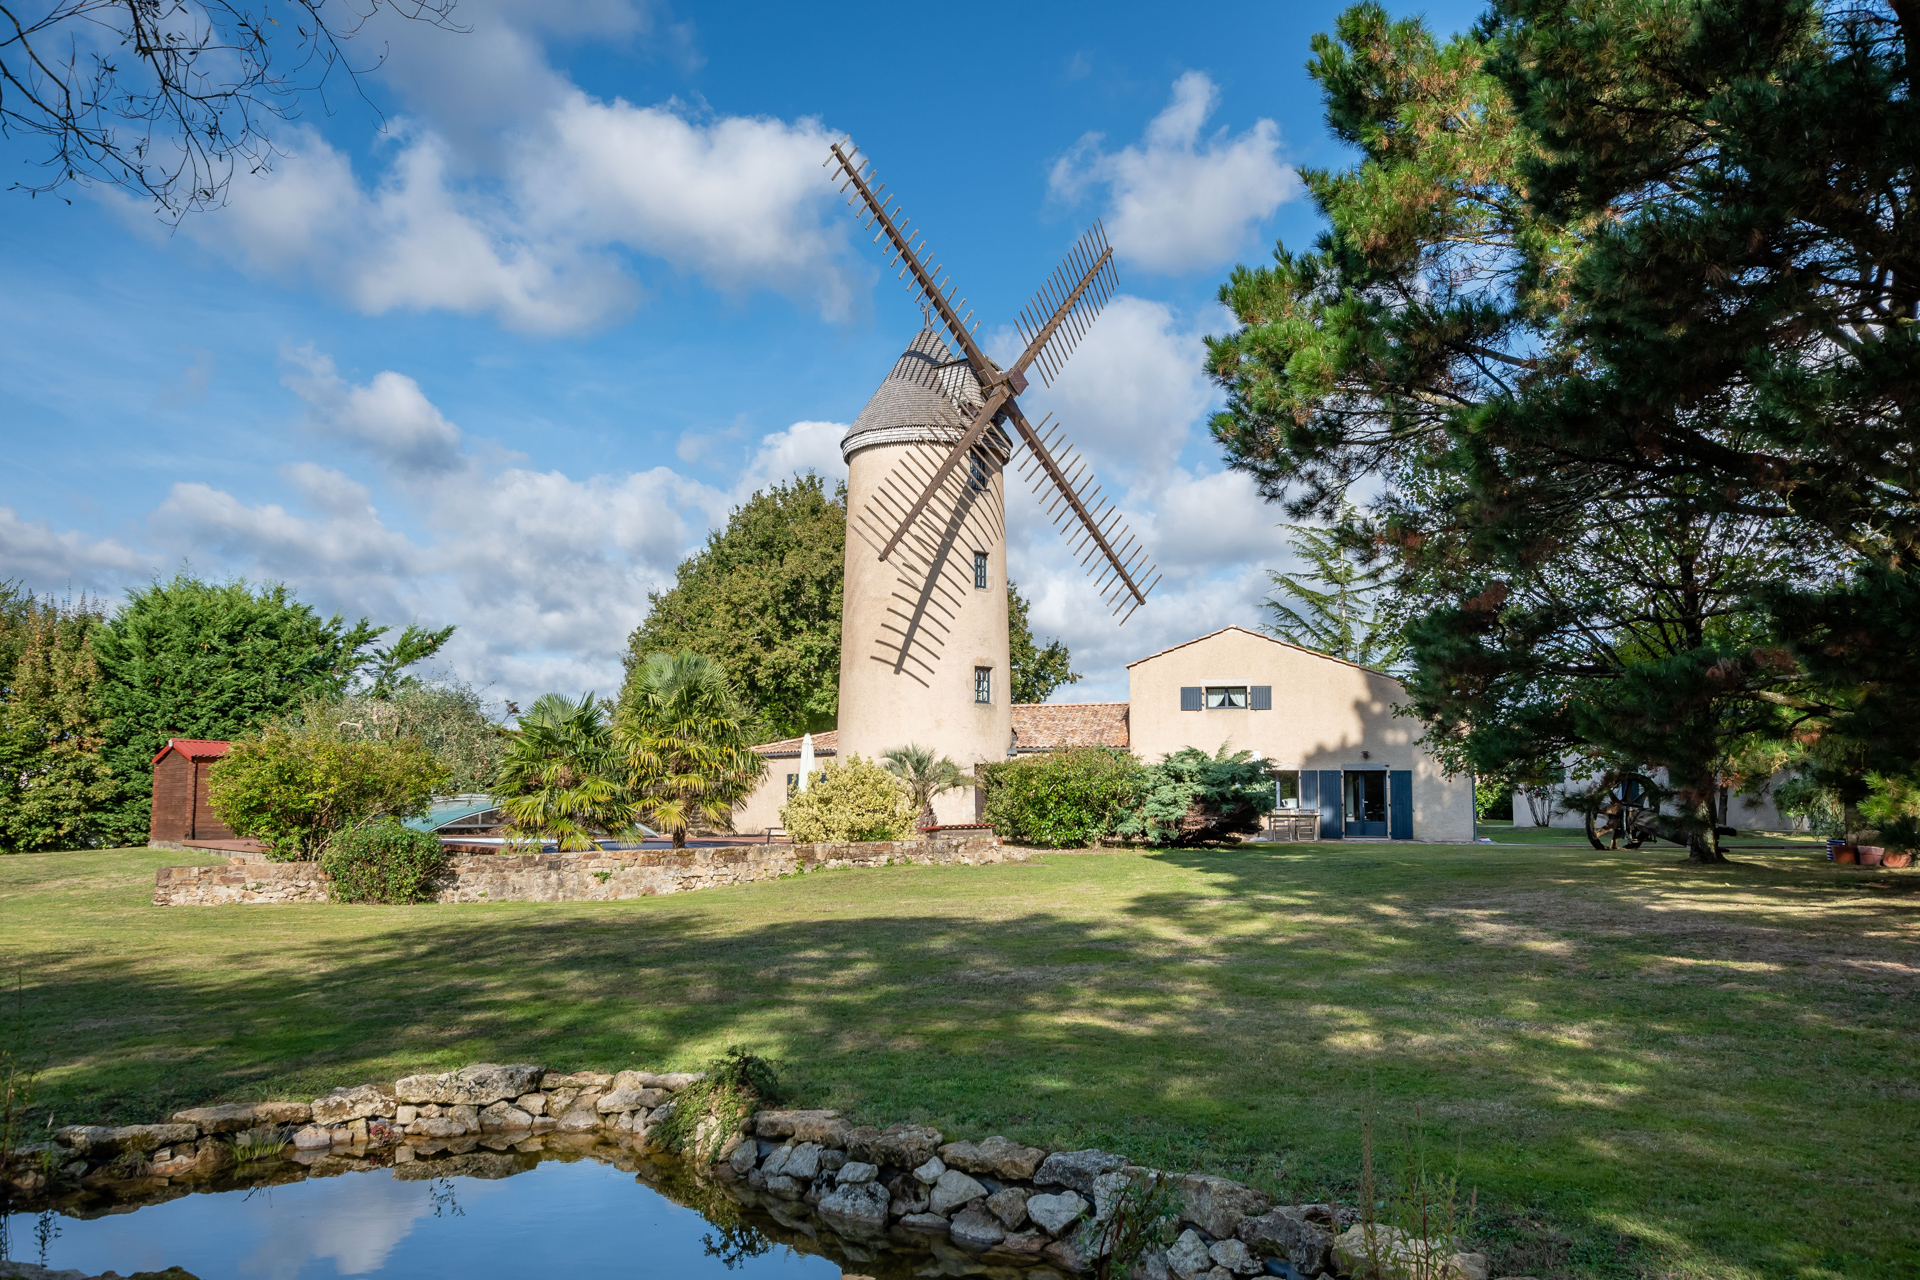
(983, 684)
(980, 570)
(1226, 697)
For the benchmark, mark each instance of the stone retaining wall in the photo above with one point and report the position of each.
(598, 876)
(999, 1202)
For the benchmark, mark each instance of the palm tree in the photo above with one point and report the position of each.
(561, 778)
(685, 743)
(926, 776)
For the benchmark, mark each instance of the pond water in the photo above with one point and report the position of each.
(479, 1215)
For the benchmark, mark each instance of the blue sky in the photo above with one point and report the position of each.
(505, 361)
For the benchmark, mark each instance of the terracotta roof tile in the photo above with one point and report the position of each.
(1050, 726)
(824, 744)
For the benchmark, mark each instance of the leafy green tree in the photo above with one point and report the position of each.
(685, 744)
(53, 776)
(189, 658)
(448, 718)
(1063, 799)
(1036, 672)
(295, 791)
(927, 775)
(762, 598)
(1332, 605)
(562, 778)
(850, 801)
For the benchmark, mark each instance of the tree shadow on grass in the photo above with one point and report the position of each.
(1629, 1051)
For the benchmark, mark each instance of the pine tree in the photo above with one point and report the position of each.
(1332, 606)
(53, 775)
(1605, 272)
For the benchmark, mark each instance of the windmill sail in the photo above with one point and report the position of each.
(1053, 325)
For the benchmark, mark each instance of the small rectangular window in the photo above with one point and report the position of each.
(976, 473)
(983, 684)
(793, 785)
(980, 570)
(1226, 697)
(1286, 789)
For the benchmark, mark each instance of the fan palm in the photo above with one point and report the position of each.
(684, 742)
(561, 779)
(926, 776)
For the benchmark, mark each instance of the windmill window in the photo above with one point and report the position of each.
(1226, 697)
(980, 570)
(983, 684)
(976, 473)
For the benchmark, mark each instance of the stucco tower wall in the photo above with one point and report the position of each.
(916, 627)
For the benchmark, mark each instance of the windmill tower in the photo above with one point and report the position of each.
(923, 649)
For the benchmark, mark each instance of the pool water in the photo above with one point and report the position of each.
(556, 1218)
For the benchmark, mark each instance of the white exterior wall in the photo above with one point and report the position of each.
(914, 628)
(1325, 714)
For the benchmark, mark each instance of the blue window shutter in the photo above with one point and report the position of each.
(1332, 823)
(1309, 789)
(1260, 697)
(1400, 804)
(1190, 698)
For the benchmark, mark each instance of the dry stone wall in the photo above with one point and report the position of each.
(596, 876)
(994, 1200)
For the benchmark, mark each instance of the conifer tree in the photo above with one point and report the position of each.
(1604, 272)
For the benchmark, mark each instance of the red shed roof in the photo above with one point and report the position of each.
(195, 748)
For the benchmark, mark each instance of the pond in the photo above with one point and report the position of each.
(545, 1208)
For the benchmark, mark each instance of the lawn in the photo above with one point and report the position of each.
(1647, 1068)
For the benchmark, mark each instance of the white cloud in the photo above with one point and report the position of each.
(510, 192)
(32, 552)
(1132, 389)
(1177, 203)
(390, 417)
(804, 446)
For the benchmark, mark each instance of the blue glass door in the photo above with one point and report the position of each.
(1365, 793)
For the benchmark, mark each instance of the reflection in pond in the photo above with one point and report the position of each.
(545, 1209)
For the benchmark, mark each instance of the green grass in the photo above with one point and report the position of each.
(1650, 1068)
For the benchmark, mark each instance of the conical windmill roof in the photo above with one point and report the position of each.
(929, 397)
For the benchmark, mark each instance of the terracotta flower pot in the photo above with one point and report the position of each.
(1846, 853)
(1897, 860)
(1870, 855)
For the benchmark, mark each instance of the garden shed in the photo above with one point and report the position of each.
(180, 808)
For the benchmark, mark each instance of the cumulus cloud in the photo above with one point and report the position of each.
(1176, 202)
(538, 218)
(804, 446)
(390, 417)
(544, 573)
(1132, 390)
(33, 552)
